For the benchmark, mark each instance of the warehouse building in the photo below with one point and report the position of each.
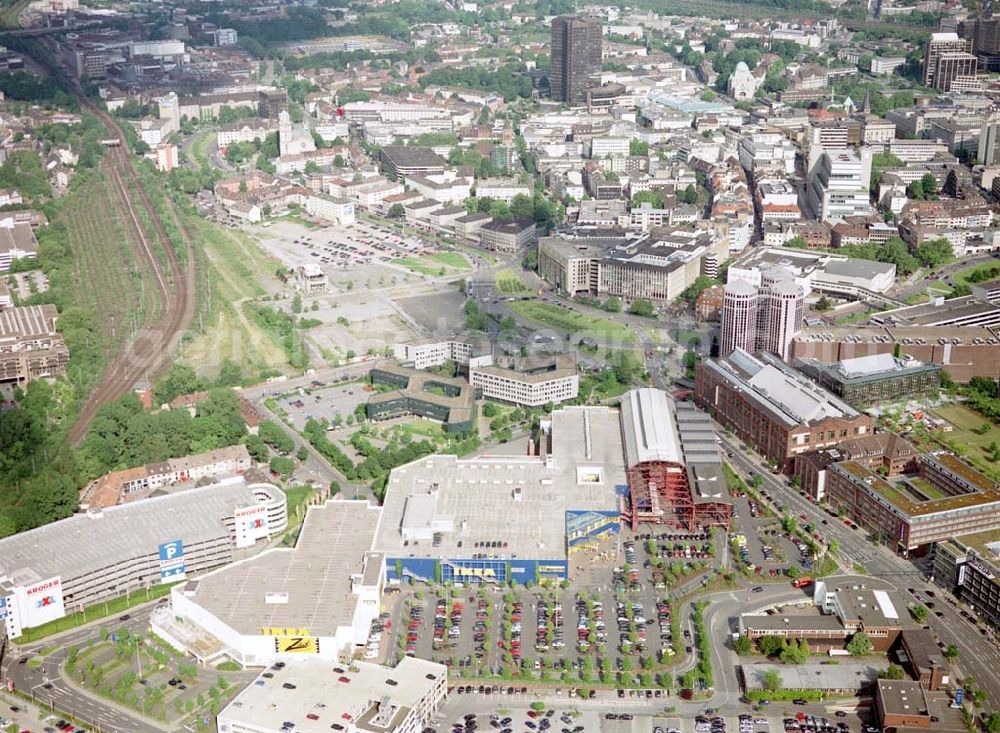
(961, 351)
(89, 558)
(316, 598)
(674, 468)
(945, 499)
(355, 698)
(774, 408)
(495, 519)
(872, 380)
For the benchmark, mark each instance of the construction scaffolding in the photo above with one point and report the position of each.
(659, 492)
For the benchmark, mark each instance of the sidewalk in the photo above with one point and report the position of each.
(29, 717)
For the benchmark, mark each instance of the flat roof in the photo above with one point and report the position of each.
(474, 499)
(908, 504)
(413, 156)
(85, 543)
(312, 581)
(941, 311)
(319, 691)
(28, 320)
(461, 407)
(814, 676)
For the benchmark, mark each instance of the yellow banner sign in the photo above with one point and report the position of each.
(296, 644)
(475, 572)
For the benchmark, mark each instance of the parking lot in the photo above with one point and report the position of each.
(757, 539)
(611, 623)
(340, 247)
(333, 404)
(508, 710)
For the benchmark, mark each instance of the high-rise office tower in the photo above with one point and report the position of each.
(764, 317)
(780, 316)
(576, 54)
(739, 317)
(938, 45)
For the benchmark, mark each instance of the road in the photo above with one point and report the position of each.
(981, 658)
(48, 689)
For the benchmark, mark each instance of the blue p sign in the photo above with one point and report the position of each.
(171, 550)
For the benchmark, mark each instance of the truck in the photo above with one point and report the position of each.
(803, 582)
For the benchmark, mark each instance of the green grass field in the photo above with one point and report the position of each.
(572, 322)
(440, 264)
(989, 269)
(966, 422)
(451, 259)
(509, 283)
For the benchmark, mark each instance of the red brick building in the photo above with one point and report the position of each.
(773, 408)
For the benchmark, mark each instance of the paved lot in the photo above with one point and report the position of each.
(329, 402)
(438, 313)
(613, 616)
(607, 715)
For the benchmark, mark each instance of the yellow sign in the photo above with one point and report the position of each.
(296, 644)
(283, 631)
(475, 572)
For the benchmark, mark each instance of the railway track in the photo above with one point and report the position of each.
(145, 354)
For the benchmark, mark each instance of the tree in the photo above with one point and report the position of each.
(612, 305)
(798, 241)
(769, 646)
(282, 465)
(993, 723)
(742, 644)
(915, 190)
(522, 207)
(302, 453)
(689, 195)
(919, 613)
(297, 303)
(793, 654)
(641, 307)
(935, 252)
(638, 148)
(860, 644)
(396, 211)
(823, 304)
(770, 680)
(647, 197)
(950, 652)
(929, 184)
(893, 672)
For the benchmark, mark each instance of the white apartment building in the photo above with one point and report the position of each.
(247, 131)
(501, 189)
(887, 64)
(525, 388)
(767, 152)
(446, 188)
(432, 352)
(605, 147)
(838, 184)
(330, 208)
